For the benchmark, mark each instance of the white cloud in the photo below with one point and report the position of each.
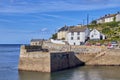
(51, 15)
(53, 5)
(44, 29)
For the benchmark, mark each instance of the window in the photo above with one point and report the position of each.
(74, 44)
(72, 33)
(71, 38)
(78, 38)
(92, 36)
(78, 33)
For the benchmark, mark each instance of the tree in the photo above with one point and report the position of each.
(94, 22)
(114, 19)
(54, 36)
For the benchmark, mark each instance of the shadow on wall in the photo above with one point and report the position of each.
(64, 60)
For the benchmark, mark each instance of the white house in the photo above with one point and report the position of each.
(77, 35)
(96, 35)
(101, 20)
(110, 18)
(107, 18)
(118, 17)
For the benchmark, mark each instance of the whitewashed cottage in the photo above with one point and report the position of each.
(77, 35)
(101, 20)
(118, 17)
(96, 35)
(110, 18)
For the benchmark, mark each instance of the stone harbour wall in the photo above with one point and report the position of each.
(77, 49)
(47, 61)
(108, 57)
(60, 57)
(34, 61)
(64, 60)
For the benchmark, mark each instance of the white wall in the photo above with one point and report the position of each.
(110, 19)
(118, 17)
(75, 38)
(100, 21)
(95, 34)
(57, 41)
(61, 34)
(103, 36)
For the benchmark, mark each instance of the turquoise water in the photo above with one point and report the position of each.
(9, 58)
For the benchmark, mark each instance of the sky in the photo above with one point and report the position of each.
(23, 20)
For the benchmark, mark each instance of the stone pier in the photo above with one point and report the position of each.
(34, 58)
(52, 57)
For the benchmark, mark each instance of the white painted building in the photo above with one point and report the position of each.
(107, 18)
(77, 35)
(118, 17)
(96, 35)
(110, 18)
(101, 20)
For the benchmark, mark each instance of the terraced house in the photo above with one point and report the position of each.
(109, 18)
(62, 33)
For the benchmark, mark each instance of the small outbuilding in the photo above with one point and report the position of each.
(96, 35)
(37, 42)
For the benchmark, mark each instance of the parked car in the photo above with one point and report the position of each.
(113, 44)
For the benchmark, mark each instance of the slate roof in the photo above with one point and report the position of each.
(65, 28)
(110, 15)
(77, 29)
(107, 16)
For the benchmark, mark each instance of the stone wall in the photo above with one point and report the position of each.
(106, 57)
(77, 49)
(64, 60)
(34, 60)
(62, 57)
(47, 61)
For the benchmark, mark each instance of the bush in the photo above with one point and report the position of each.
(54, 36)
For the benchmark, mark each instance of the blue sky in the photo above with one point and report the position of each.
(23, 20)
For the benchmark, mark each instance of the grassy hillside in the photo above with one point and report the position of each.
(111, 30)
